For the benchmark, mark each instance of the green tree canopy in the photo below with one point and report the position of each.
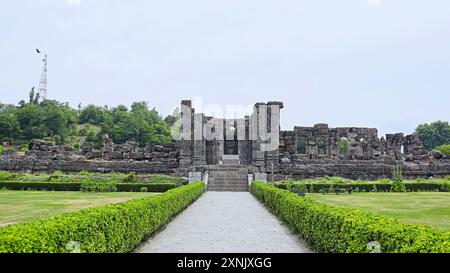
(92, 114)
(34, 118)
(434, 134)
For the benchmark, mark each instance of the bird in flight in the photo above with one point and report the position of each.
(37, 50)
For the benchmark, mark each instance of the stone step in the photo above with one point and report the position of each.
(229, 177)
(228, 184)
(225, 180)
(230, 162)
(233, 169)
(233, 189)
(229, 172)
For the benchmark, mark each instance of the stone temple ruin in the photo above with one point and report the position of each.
(228, 153)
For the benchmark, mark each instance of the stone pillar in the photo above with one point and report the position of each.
(195, 177)
(186, 143)
(250, 179)
(262, 177)
(199, 158)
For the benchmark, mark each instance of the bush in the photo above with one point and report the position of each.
(443, 149)
(90, 186)
(340, 230)
(436, 185)
(4, 175)
(77, 186)
(298, 187)
(82, 176)
(131, 177)
(107, 229)
(397, 180)
(374, 188)
(55, 176)
(445, 186)
(144, 189)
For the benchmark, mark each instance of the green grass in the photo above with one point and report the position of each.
(23, 206)
(426, 208)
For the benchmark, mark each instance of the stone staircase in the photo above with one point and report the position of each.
(228, 178)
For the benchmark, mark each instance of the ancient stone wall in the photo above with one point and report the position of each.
(361, 144)
(303, 152)
(361, 169)
(46, 156)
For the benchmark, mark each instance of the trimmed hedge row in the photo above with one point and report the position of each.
(76, 186)
(367, 187)
(106, 229)
(340, 230)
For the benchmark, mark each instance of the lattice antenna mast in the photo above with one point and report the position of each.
(43, 81)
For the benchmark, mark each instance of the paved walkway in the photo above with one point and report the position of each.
(224, 222)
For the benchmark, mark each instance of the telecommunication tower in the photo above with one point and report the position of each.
(43, 80)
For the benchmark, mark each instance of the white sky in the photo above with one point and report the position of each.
(383, 64)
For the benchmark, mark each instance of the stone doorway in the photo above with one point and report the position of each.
(231, 147)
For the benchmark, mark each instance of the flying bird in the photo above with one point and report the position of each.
(37, 50)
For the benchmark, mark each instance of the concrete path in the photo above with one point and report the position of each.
(224, 222)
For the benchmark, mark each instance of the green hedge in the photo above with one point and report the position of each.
(367, 187)
(331, 229)
(76, 186)
(107, 229)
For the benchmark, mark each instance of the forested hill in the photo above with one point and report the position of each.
(57, 121)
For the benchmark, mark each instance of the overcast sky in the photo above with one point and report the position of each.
(374, 63)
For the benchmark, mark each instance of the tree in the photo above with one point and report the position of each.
(301, 145)
(444, 149)
(33, 97)
(53, 120)
(322, 144)
(9, 126)
(92, 114)
(174, 117)
(434, 134)
(343, 146)
(49, 119)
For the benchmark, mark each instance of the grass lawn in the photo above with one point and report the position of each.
(23, 206)
(426, 208)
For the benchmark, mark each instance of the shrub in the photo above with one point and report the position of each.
(397, 180)
(374, 188)
(90, 186)
(331, 188)
(151, 187)
(106, 229)
(445, 186)
(339, 230)
(144, 189)
(84, 173)
(77, 186)
(4, 175)
(131, 177)
(299, 188)
(443, 149)
(369, 186)
(55, 176)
